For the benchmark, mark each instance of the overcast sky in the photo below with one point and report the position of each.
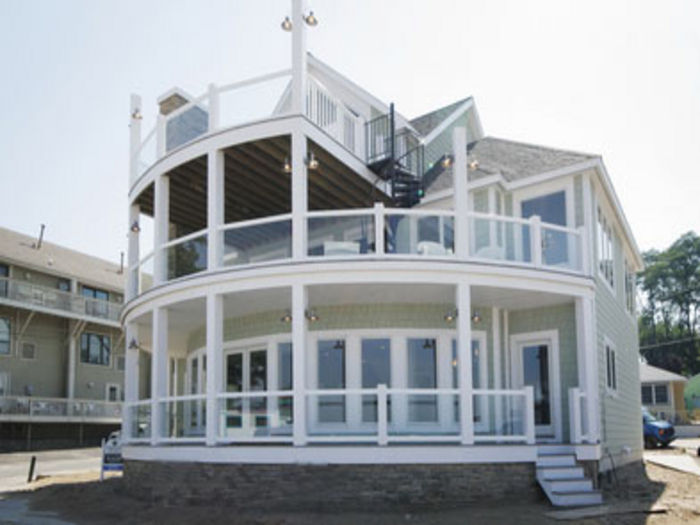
(617, 78)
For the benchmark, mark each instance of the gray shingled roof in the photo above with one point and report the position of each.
(513, 160)
(654, 374)
(16, 248)
(428, 122)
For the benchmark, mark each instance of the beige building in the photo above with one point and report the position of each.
(61, 345)
(662, 392)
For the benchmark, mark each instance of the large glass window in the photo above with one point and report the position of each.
(95, 349)
(422, 373)
(234, 383)
(552, 210)
(606, 261)
(4, 336)
(4, 273)
(285, 381)
(331, 375)
(258, 383)
(376, 370)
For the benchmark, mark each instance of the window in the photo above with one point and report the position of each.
(28, 350)
(422, 373)
(606, 261)
(285, 404)
(113, 392)
(376, 370)
(331, 375)
(4, 273)
(96, 303)
(64, 285)
(647, 395)
(95, 349)
(4, 336)
(611, 361)
(660, 394)
(630, 289)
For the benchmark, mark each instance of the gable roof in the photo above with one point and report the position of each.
(511, 160)
(429, 121)
(654, 374)
(17, 248)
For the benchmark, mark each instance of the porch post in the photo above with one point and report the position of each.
(298, 57)
(159, 373)
(497, 374)
(161, 229)
(464, 358)
(299, 192)
(131, 375)
(215, 330)
(299, 362)
(461, 193)
(215, 207)
(587, 363)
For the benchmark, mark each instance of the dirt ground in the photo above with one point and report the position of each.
(653, 496)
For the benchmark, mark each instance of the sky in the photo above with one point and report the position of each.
(616, 78)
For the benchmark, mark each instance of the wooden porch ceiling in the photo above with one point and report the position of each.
(257, 186)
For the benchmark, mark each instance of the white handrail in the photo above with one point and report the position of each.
(185, 238)
(354, 212)
(255, 222)
(255, 80)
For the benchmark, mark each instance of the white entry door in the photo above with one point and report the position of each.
(535, 363)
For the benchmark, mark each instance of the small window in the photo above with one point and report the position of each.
(4, 336)
(630, 289)
(611, 368)
(64, 285)
(28, 350)
(4, 273)
(113, 392)
(606, 258)
(660, 394)
(95, 349)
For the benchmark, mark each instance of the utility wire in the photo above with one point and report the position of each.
(670, 343)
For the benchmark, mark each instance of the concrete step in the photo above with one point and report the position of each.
(560, 472)
(555, 449)
(576, 499)
(556, 460)
(567, 485)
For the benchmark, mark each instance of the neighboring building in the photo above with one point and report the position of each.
(374, 305)
(61, 344)
(662, 393)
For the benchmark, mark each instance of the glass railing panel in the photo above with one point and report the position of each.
(148, 154)
(561, 248)
(255, 101)
(256, 243)
(187, 257)
(499, 415)
(101, 409)
(423, 414)
(14, 406)
(146, 274)
(187, 123)
(249, 417)
(500, 239)
(426, 235)
(46, 407)
(140, 420)
(341, 415)
(185, 418)
(341, 236)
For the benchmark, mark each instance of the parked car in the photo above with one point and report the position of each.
(657, 432)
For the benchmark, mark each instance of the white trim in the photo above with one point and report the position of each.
(550, 337)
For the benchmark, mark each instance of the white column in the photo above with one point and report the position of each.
(159, 373)
(131, 375)
(134, 137)
(589, 222)
(497, 373)
(299, 70)
(132, 276)
(299, 193)
(379, 228)
(536, 240)
(215, 207)
(72, 357)
(587, 363)
(161, 139)
(215, 367)
(161, 229)
(464, 358)
(213, 108)
(299, 362)
(493, 225)
(461, 192)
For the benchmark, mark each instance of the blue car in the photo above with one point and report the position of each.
(657, 432)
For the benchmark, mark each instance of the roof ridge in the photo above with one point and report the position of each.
(541, 146)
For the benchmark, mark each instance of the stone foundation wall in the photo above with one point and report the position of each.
(330, 487)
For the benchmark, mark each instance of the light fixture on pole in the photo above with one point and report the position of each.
(286, 24)
(476, 318)
(311, 19)
(311, 315)
(286, 318)
(287, 166)
(312, 162)
(451, 315)
(133, 344)
(474, 165)
(135, 227)
(447, 161)
(136, 115)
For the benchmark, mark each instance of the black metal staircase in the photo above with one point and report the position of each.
(397, 158)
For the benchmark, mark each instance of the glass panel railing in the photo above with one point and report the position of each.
(499, 415)
(145, 275)
(253, 100)
(101, 409)
(419, 234)
(185, 417)
(187, 123)
(561, 248)
(500, 239)
(416, 414)
(258, 242)
(187, 256)
(139, 415)
(148, 153)
(342, 415)
(255, 415)
(341, 235)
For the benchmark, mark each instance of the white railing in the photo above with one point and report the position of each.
(578, 410)
(21, 408)
(378, 415)
(43, 296)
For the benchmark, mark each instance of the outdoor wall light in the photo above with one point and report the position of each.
(136, 115)
(474, 165)
(133, 344)
(476, 318)
(451, 315)
(447, 161)
(286, 24)
(311, 19)
(135, 227)
(312, 161)
(287, 166)
(286, 318)
(311, 315)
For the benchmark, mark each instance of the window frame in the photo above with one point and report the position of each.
(102, 336)
(630, 286)
(611, 380)
(605, 246)
(9, 336)
(21, 350)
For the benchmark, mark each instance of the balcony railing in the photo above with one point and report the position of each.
(58, 409)
(247, 102)
(376, 232)
(378, 416)
(31, 294)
